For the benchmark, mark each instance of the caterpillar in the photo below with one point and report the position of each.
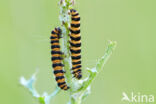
(75, 43)
(57, 59)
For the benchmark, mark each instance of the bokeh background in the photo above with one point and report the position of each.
(25, 27)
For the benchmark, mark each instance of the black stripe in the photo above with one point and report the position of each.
(75, 45)
(79, 66)
(56, 52)
(52, 32)
(58, 71)
(55, 46)
(75, 63)
(75, 14)
(59, 77)
(57, 64)
(76, 19)
(77, 71)
(62, 83)
(56, 58)
(76, 57)
(75, 25)
(52, 37)
(75, 51)
(75, 38)
(75, 32)
(55, 41)
(63, 87)
(67, 88)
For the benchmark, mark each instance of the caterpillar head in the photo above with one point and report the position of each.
(72, 10)
(59, 32)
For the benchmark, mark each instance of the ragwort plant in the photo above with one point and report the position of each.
(79, 89)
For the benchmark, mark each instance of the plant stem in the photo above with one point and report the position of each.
(64, 18)
(93, 73)
(100, 64)
(76, 96)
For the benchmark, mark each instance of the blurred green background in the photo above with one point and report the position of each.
(25, 27)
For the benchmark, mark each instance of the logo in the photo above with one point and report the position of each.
(137, 97)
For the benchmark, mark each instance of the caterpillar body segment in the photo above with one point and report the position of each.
(57, 59)
(75, 43)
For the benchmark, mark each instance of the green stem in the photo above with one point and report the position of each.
(99, 66)
(65, 21)
(78, 101)
(75, 101)
(64, 18)
(77, 94)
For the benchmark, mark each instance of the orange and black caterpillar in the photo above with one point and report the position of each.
(57, 59)
(75, 43)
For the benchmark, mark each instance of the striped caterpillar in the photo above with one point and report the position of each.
(57, 59)
(75, 43)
